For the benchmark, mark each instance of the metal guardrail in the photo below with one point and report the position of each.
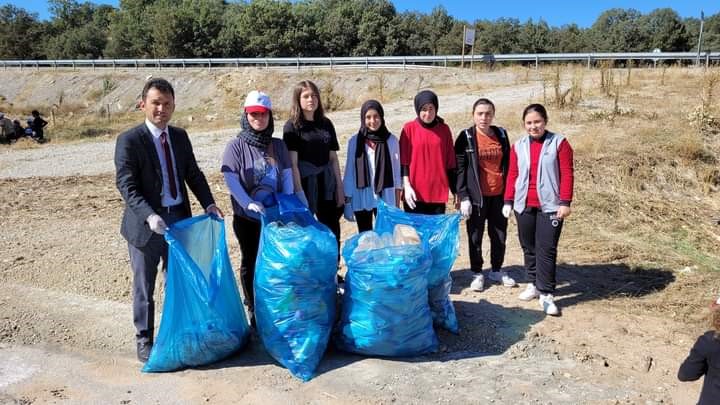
(358, 62)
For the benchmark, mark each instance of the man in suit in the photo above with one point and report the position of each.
(153, 163)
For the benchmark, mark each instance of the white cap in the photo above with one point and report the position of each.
(257, 101)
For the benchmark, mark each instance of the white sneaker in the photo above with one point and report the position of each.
(502, 277)
(529, 293)
(548, 305)
(478, 283)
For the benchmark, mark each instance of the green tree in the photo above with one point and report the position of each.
(373, 29)
(618, 30)
(262, 28)
(77, 30)
(711, 34)
(186, 28)
(663, 29)
(569, 39)
(131, 30)
(535, 38)
(437, 25)
(20, 34)
(500, 36)
(406, 36)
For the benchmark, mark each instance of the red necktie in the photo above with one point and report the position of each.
(168, 163)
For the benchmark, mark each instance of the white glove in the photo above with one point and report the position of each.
(301, 196)
(156, 224)
(409, 194)
(465, 208)
(718, 301)
(256, 206)
(348, 212)
(506, 210)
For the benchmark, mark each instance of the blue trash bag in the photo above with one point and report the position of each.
(203, 319)
(385, 308)
(441, 234)
(295, 286)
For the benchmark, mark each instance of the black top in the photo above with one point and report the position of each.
(704, 359)
(313, 141)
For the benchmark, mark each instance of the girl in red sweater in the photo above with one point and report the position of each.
(539, 189)
(427, 158)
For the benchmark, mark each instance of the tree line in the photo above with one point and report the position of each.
(276, 28)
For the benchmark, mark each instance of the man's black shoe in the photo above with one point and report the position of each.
(143, 351)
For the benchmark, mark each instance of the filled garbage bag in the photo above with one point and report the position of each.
(385, 310)
(441, 234)
(203, 319)
(295, 286)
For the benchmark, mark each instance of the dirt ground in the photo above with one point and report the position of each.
(66, 333)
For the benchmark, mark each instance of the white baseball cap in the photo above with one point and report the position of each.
(257, 101)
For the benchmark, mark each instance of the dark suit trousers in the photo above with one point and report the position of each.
(144, 263)
(539, 233)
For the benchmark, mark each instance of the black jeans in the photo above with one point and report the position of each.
(425, 208)
(364, 220)
(539, 233)
(491, 211)
(247, 232)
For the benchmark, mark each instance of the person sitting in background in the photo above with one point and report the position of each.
(18, 129)
(704, 359)
(7, 132)
(29, 129)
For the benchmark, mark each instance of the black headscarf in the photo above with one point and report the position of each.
(383, 164)
(258, 139)
(427, 97)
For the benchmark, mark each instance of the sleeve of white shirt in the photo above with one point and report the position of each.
(395, 158)
(288, 186)
(349, 180)
(236, 189)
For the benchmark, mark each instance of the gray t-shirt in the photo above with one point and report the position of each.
(259, 170)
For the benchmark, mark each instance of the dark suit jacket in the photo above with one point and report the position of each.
(138, 176)
(704, 359)
(466, 151)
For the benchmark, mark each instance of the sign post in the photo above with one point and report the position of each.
(468, 39)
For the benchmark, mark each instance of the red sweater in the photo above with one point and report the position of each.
(565, 162)
(429, 154)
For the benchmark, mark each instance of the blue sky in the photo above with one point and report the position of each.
(556, 13)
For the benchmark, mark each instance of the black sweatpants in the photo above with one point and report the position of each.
(247, 232)
(364, 220)
(491, 211)
(425, 208)
(539, 233)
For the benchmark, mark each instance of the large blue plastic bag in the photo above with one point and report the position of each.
(385, 308)
(295, 287)
(203, 320)
(441, 234)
